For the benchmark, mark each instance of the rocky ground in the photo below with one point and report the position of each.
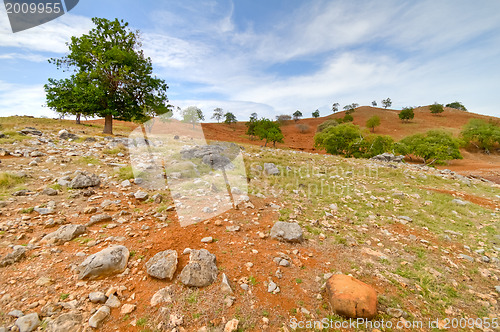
(84, 246)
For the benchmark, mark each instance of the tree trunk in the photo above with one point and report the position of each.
(108, 124)
(78, 115)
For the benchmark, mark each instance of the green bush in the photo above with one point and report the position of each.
(406, 114)
(348, 140)
(436, 108)
(373, 122)
(481, 134)
(434, 147)
(457, 105)
(269, 130)
(347, 118)
(326, 124)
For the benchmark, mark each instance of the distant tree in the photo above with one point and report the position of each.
(374, 103)
(253, 116)
(297, 115)
(335, 107)
(406, 114)
(436, 108)
(481, 134)
(315, 114)
(251, 125)
(434, 147)
(457, 105)
(350, 108)
(269, 130)
(218, 114)
(230, 118)
(373, 122)
(192, 115)
(112, 74)
(387, 102)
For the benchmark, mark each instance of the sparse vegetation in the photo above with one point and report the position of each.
(9, 180)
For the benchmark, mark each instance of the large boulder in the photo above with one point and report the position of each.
(84, 180)
(163, 264)
(105, 262)
(287, 231)
(18, 253)
(350, 297)
(201, 270)
(64, 134)
(64, 234)
(28, 323)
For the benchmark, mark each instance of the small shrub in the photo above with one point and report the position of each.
(457, 105)
(283, 118)
(481, 134)
(303, 128)
(436, 108)
(348, 118)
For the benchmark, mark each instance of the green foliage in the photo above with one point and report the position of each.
(269, 130)
(297, 115)
(326, 124)
(315, 114)
(112, 77)
(218, 114)
(435, 146)
(436, 108)
(407, 114)
(9, 180)
(348, 140)
(347, 118)
(349, 109)
(251, 124)
(192, 115)
(373, 122)
(387, 102)
(374, 103)
(230, 118)
(457, 105)
(484, 135)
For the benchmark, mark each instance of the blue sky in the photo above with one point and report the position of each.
(274, 57)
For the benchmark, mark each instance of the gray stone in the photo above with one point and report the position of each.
(497, 288)
(405, 218)
(226, 285)
(37, 154)
(207, 239)
(287, 231)
(64, 234)
(462, 256)
(28, 323)
(31, 131)
(84, 180)
(49, 192)
(43, 211)
(394, 312)
(105, 262)
(271, 169)
(271, 287)
(16, 313)
(113, 301)
(459, 202)
(125, 184)
(70, 321)
(141, 195)
(99, 218)
(201, 270)
(22, 192)
(388, 157)
(164, 295)
(18, 253)
(97, 297)
(98, 318)
(163, 264)
(233, 228)
(64, 134)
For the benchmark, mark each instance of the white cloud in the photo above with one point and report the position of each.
(48, 37)
(16, 99)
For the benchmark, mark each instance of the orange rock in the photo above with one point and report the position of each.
(351, 298)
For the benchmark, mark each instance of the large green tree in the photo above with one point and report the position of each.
(269, 130)
(112, 78)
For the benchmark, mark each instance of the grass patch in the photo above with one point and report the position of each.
(120, 148)
(9, 180)
(63, 296)
(27, 210)
(142, 321)
(13, 136)
(88, 160)
(125, 173)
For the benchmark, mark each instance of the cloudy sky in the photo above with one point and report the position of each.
(274, 57)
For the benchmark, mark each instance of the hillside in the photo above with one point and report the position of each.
(426, 241)
(452, 120)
